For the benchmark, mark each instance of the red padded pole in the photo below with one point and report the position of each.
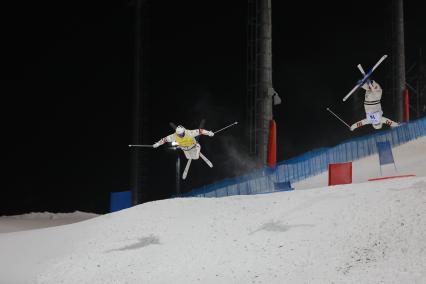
(406, 106)
(272, 144)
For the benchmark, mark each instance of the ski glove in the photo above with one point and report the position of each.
(156, 145)
(210, 133)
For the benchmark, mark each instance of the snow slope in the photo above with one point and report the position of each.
(410, 158)
(371, 232)
(41, 220)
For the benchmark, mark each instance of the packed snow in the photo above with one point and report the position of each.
(366, 232)
(41, 220)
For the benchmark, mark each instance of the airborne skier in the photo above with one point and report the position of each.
(373, 108)
(185, 140)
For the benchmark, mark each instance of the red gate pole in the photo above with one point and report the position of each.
(272, 144)
(406, 106)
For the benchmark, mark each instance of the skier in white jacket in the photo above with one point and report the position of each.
(373, 108)
(185, 140)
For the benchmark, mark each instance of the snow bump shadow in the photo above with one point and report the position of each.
(278, 227)
(142, 242)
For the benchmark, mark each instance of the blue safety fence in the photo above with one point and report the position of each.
(311, 163)
(120, 200)
(385, 153)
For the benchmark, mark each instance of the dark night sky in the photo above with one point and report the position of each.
(67, 109)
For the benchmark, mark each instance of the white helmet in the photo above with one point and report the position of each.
(378, 125)
(180, 130)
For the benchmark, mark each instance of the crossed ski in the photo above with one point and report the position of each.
(366, 76)
(188, 164)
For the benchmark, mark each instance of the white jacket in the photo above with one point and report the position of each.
(187, 142)
(373, 95)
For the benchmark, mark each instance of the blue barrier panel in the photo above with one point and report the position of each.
(120, 200)
(283, 186)
(313, 162)
(385, 153)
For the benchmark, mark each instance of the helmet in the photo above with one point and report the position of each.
(180, 130)
(378, 125)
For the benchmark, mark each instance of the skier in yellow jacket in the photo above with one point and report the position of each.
(185, 140)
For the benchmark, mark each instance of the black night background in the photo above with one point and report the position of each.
(68, 91)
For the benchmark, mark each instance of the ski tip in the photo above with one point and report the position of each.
(130, 145)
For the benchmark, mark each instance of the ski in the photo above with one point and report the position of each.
(206, 160)
(366, 76)
(185, 172)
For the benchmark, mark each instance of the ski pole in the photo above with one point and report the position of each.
(338, 117)
(235, 123)
(141, 145)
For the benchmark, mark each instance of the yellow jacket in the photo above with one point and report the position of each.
(187, 141)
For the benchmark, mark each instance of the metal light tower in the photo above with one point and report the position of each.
(398, 56)
(136, 139)
(177, 173)
(416, 84)
(260, 93)
(140, 30)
